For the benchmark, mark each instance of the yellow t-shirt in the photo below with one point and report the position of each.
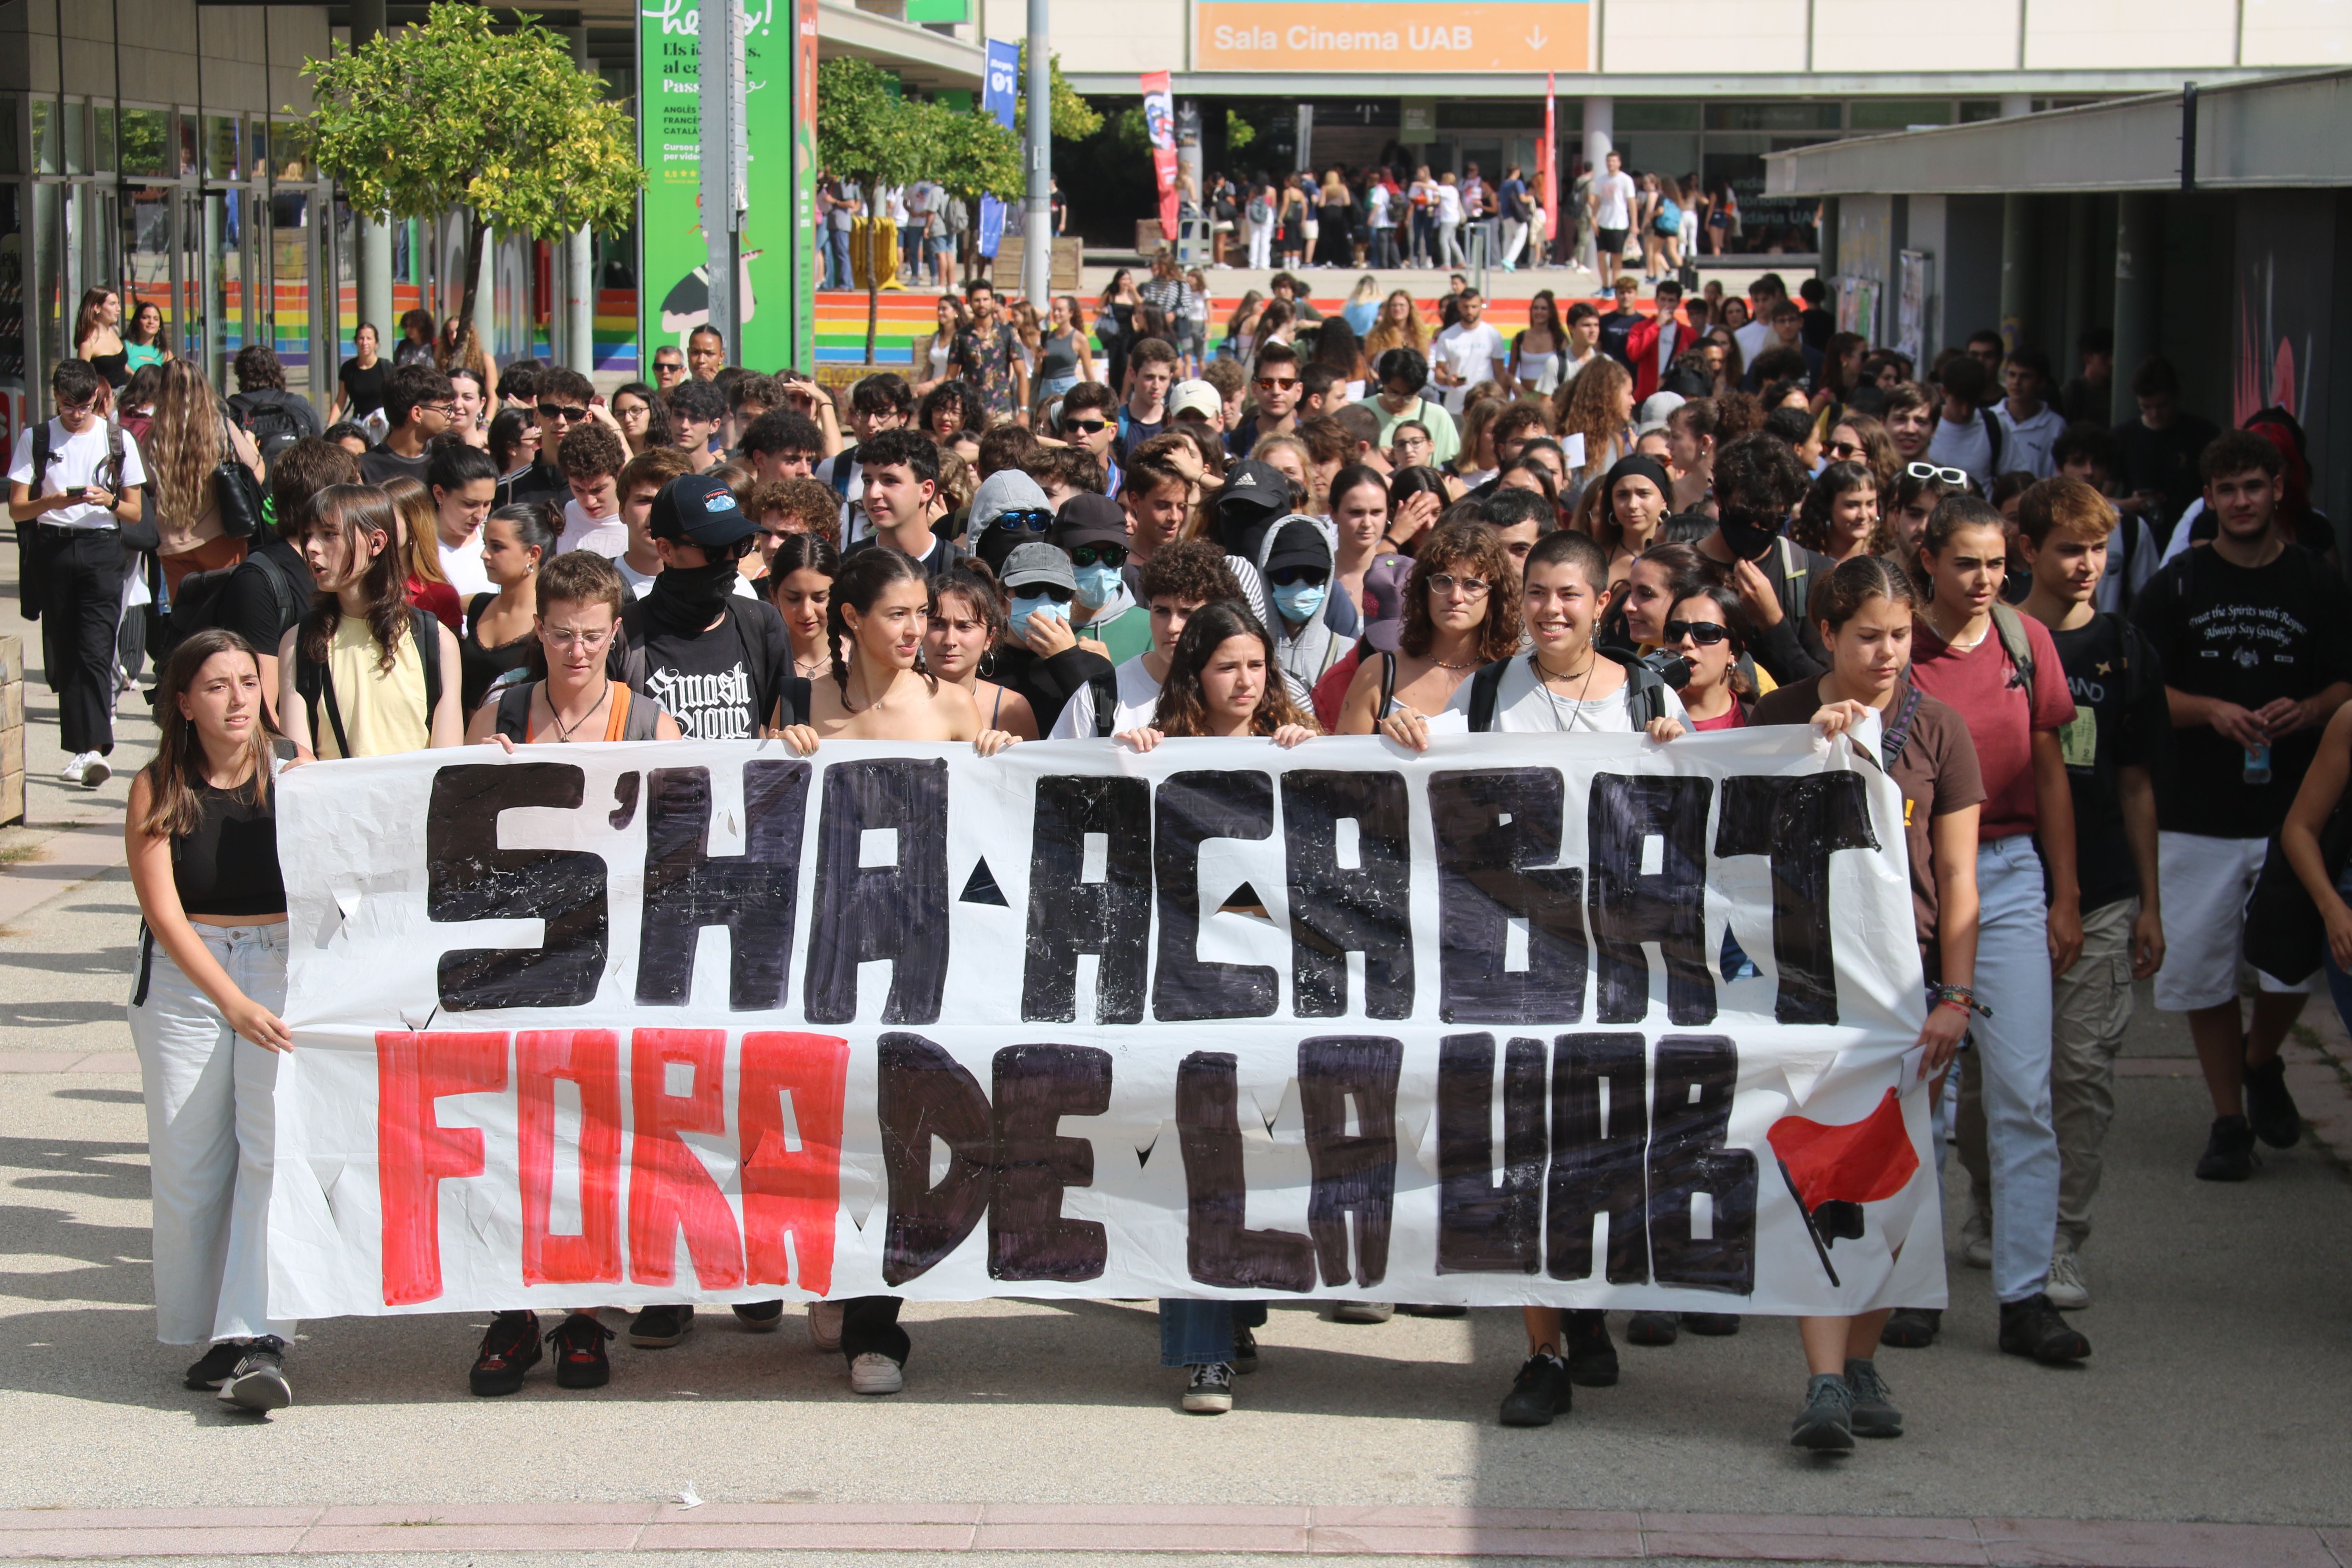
(382, 711)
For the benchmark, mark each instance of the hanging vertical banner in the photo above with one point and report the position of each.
(1159, 122)
(1003, 77)
(991, 225)
(807, 268)
(673, 272)
(1547, 161)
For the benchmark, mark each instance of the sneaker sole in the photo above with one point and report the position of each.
(762, 1325)
(259, 1393)
(1531, 1418)
(2270, 1135)
(1822, 1437)
(2068, 1301)
(658, 1342)
(894, 1386)
(566, 1378)
(481, 1390)
(2043, 1356)
(1874, 1427)
(95, 775)
(2230, 1172)
(1208, 1404)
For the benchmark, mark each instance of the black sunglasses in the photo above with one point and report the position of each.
(1027, 520)
(1706, 634)
(1098, 555)
(1284, 577)
(557, 411)
(1052, 591)
(1087, 427)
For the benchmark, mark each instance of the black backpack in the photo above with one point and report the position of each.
(273, 424)
(312, 681)
(1645, 694)
(196, 607)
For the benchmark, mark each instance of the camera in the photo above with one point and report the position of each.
(1671, 667)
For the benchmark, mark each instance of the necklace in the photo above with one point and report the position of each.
(564, 731)
(1441, 664)
(1544, 678)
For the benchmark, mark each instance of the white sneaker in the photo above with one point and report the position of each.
(1976, 1242)
(824, 1325)
(1363, 1311)
(94, 770)
(2067, 1290)
(874, 1372)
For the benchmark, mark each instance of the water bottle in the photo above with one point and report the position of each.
(2258, 764)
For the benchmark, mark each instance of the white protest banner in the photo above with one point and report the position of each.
(1571, 1020)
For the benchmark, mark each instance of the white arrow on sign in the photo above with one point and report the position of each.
(1536, 40)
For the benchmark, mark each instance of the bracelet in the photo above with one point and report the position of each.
(1960, 997)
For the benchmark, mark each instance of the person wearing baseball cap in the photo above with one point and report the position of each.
(1041, 656)
(699, 642)
(1297, 567)
(1255, 494)
(1197, 401)
(1091, 530)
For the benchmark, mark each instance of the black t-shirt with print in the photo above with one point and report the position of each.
(2120, 721)
(364, 388)
(2248, 637)
(720, 684)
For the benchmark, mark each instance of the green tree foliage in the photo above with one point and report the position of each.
(1074, 118)
(420, 120)
(1239, 132)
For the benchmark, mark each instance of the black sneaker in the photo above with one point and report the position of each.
(2032, 1327)
(1433, 1309)
(760, 1317)
(1592, 1359)
(509, 1349)
(580, 1359)
(2270, 1109)
(1245, 1357)
(260, 1382)
(1875, 1414)
(2228, 1151)
(1652, 1328)
(217, 1366)
(1713, 1325)
(1825, 1424)
(656, 1328)
(1540, 1391)
(1912, 1328)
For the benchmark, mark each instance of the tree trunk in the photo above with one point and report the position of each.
(476, 228)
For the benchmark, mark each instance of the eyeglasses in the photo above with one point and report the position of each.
(1052, 591)
(1087, 427)
(1845, 451)
(1098, 555)
(1027, 520)
(557, 411)
(565, 637)
(1446, 581)
(1949, 476)
(82, 407)
(446, 410)
(1706, 634)
(1277, 383)
(1287, 576)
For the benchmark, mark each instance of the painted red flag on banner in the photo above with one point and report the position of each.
(1855, 1162)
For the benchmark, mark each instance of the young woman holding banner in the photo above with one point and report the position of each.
(881, 691)
(572, 701)
(203, 844)
(1865, 610)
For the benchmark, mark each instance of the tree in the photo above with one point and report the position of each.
(423, 121)
(1074, 118)
(865, 134)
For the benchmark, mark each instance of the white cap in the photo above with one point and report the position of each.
(1197, 397)
(1654, 411)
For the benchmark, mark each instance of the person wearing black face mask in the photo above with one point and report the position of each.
(1758, 483)
(719, 662)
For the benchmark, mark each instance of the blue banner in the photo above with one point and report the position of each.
(1003, 76)
(991, 224)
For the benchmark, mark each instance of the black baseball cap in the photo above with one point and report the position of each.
(697, 510)
(1299, 543)
(1088, 518)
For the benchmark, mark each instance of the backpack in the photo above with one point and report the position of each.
(273, 425)
(313, 683)
(110, 474)
(2010, 627)
(1645, 691)
(31, 572)
(196, 607)
(1259, 210)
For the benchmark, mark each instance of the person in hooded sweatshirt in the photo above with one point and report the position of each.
(1009, 509)
(1296, 561)
(1041, 657)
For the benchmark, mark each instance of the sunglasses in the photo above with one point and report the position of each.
(1285, 576)
(1446, 581)
(1098, 555)
(1949, 476)
(557, 411)
(1845, 451)
(1087, 427)
(1028, 520)
(1052, 591)
(1706, 634)
(1277, 383)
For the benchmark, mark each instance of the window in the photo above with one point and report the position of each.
(146, 141)
(1899, 113)
(1656, 115)
(1797, 116)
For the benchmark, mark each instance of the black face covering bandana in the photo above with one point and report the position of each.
(688, 598)
(998, 542)
(1747, 541)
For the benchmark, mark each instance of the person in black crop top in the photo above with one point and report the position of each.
(203, 848)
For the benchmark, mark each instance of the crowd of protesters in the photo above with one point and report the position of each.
(2108, 666)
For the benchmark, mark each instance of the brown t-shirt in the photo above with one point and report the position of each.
(1936, 773)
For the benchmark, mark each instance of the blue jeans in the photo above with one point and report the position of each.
(1052, 386)
(1194, 1333)
(2012, 1050)
(837, 254)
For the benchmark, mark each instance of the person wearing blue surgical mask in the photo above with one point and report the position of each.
(1091, 530)
(1297, 565)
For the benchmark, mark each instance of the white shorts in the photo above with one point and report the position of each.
(2204, 883)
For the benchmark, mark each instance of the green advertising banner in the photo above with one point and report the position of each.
(777, 281)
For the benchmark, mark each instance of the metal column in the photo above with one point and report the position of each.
(374, 246)
(1037, 219)
(723, 162)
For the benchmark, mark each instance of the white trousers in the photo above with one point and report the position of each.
(1261, 245)
(1515, 235)
(212, 1130)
